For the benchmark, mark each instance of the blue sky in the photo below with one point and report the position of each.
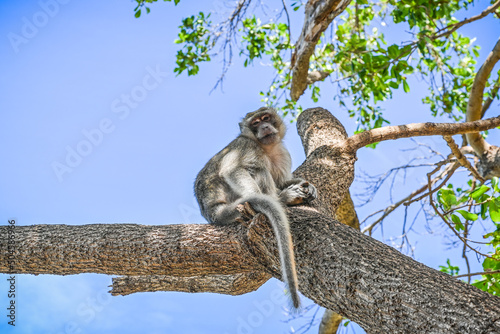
(90, 69)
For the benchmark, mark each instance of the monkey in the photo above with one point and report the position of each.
(256, 168)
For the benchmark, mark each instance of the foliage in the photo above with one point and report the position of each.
(482, 204)
(195, 37)
(142, 4)
(449, 269)
(490, 282)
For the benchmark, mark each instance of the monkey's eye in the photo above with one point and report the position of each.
(255, 123)
(266, 118)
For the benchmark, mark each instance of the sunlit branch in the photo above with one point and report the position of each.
(475, 104)
(362, 139)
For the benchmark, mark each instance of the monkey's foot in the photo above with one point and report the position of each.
(246, 212)
(299, 193)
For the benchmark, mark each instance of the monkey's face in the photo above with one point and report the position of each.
(263, 125)
(264, 129)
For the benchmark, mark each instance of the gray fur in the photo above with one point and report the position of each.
(256, 168)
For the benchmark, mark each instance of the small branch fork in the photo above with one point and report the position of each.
(229, 28)
(461, 158)
(446, 173)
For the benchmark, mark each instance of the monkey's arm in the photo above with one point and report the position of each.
(292, 181)
(241, 182)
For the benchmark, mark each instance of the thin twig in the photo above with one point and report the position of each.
(453, 27)
(431, 201)
(406, 200)
(448, 172)
(461, 158)
(480, 273)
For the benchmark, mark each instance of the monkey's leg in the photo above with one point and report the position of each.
(225, 214)
(298, 192)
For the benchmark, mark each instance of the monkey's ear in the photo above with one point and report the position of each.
(245, 129)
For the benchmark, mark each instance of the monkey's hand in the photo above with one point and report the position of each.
(298, 193)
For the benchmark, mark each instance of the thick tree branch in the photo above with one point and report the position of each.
(493, 94)
(322, 138)
(475, 104)
(338, 267)
(127, 249)
(318, 16)
(236, 284)
(418, 129)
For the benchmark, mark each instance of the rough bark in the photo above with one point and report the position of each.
(318, 16)
(234, 285)
(330, 322)
(339, 268)
(346, 214)
(128, 249)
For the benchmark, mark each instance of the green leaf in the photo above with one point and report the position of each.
(393, 51)
(447, 197)
(478, 192)
(138, 13)
(484, 210)
(450, 270)
(406, 87)
(393, 84)
(494, 183)
(494, 211)
(491, 264)
(467, 215)
(458, 224)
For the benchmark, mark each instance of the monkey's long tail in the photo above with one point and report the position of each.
(275, 212)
